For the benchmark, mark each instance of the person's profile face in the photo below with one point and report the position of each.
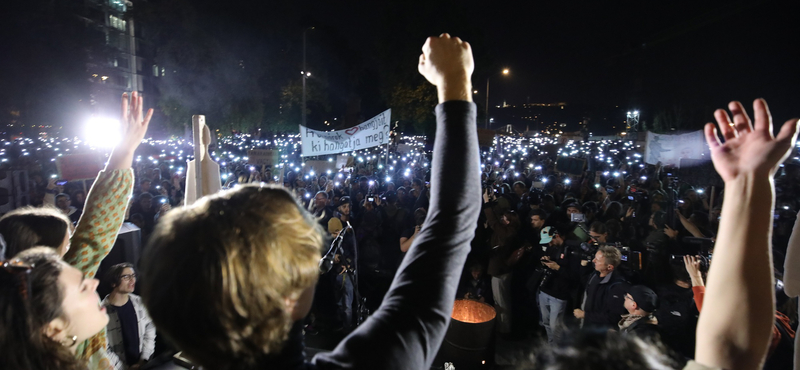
(600, 238)
(629, 303)
(344, 209)
(146, 203)
(82, 310)
(600, 262)
(146, 186)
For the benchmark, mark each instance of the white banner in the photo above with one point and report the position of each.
(372, 132)
(670, 149)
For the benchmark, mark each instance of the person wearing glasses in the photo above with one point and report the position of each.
(130, 331)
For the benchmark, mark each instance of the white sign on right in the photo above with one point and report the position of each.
(670, 149)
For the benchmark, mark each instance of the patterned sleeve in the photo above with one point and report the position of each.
(102, 218)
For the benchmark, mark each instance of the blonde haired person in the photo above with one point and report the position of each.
(229, 279)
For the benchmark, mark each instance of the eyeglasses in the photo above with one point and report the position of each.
(128, 277)
(22, 272)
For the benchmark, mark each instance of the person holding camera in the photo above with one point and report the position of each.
(556, 283)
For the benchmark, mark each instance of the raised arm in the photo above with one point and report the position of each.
(735, 326)
(408, 328)
(107, 200)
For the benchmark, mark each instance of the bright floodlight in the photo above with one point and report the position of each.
(102, 132)
(636, 112)
(505, 71)
(629, 113)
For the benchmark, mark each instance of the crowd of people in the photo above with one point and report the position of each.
(620, 250)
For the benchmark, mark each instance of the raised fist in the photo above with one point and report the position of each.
(445, 60)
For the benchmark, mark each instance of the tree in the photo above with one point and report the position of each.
(411, 106)
(678, 117)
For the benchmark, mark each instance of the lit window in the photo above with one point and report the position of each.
(116, 22)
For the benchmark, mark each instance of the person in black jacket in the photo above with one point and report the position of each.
(556, 286)
(605, 291)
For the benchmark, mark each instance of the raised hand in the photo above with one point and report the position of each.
(670, 232)
(134, 122)
(134, 126)
(447, 63)
(748, 148)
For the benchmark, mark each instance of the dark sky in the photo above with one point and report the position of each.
(631, 54)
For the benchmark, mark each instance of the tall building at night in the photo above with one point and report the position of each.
(71, 60)
(122, 60)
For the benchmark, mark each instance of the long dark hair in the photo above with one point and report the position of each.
(24, 314)
(28, 227)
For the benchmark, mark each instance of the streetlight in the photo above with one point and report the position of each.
(305, 74)
(633, 120)
(505, 72)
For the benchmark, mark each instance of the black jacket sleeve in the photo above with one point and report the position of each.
(409, 326)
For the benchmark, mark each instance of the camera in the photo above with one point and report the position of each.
(636, 195)
(577, 217)
(584, 251)
(677, 259)
(371, 199)
(543, 274)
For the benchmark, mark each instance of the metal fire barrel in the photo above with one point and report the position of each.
(469, 342)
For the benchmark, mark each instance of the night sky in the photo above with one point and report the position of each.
(600, 56)
(632, 54)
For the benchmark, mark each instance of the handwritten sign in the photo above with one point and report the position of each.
(263, 157)
(79, 166)
(372, 132)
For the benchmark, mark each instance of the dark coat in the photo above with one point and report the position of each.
(605, 300)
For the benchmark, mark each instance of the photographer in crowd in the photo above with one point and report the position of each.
(556, 284)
